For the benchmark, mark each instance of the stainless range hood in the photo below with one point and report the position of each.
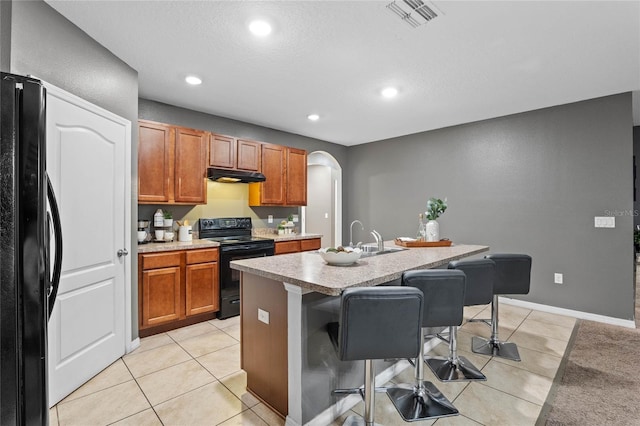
(233, 176)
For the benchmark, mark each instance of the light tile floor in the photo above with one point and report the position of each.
(192, 376)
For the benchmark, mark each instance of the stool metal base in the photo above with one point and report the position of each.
(422, 402)
(449, 371)
(354, 420)
(506, 350)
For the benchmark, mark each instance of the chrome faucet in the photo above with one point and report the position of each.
(351, 232)
(378, 239)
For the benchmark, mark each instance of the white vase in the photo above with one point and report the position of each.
(433, 231)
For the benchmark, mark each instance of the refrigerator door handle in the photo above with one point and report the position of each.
(57, 231)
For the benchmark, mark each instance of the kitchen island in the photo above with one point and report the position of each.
(287, 301)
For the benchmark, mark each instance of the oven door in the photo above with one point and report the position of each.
(230, 278)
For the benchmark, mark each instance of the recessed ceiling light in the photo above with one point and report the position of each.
(260, 28)
(193, 80)
(313, 117)
(389, 92)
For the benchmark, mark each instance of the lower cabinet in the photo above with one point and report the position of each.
(295, 246)
(177, 288)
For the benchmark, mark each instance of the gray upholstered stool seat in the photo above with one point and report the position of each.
(513, 276)
(443, 297)
(478, 291)
(376, 323)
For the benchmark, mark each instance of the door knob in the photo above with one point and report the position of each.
(122, 252)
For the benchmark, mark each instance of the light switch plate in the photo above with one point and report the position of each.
(558, 278)
(263, 316)
(270, 218)
(605, 222)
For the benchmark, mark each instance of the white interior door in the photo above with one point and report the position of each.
(87, 164)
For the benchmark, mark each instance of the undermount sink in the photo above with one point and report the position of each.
(373, 250)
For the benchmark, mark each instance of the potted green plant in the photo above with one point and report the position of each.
(168, 218)
(435, 208)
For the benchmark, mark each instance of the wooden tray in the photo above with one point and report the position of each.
(441, 243)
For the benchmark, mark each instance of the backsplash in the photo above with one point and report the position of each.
(223, 200)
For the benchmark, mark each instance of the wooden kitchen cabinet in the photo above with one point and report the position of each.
(190, 168)
(155, 161)
(177, 288)
(285, 170)
(171, 164)
(228, 152)
(248, 155)
(202, 289)
(222, 151)
(296, 177)
(160, 289)
(295, 246)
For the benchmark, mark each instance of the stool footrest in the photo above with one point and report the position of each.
(505, 350)
(420, 403)
(356, 390)
(452, 371)
(487, 321)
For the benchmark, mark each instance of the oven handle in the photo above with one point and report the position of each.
(248, 249)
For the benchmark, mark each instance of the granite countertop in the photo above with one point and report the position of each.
(292, 237)
(176, 245)
(200, 244)
(309, 271)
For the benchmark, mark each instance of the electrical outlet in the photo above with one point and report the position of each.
(270, 218)
(263, 316)
(295, 218)
(558, 278)
(326, 215)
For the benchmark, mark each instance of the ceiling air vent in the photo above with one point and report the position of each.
(414, 12)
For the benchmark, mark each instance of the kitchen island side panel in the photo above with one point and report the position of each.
(264, 345)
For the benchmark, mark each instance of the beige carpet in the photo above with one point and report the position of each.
(598, 382)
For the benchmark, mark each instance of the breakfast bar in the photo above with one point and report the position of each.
(287, 301)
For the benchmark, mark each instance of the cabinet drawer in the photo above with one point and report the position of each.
(313, 244)
(202, 256)
(160, 260)
(284, 247)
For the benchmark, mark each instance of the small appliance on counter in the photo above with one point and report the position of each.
(236, 242)
(143, 231)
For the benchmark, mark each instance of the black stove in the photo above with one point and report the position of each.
(236, 242)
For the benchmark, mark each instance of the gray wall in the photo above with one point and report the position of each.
(529, 183)
(636, 153)
(48, 46)
(5, 36)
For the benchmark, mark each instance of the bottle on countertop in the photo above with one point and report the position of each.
(421, 235)
(158, 218)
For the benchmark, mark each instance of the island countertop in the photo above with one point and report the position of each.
(309, 271)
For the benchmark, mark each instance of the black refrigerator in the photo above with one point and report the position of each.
(30, 236)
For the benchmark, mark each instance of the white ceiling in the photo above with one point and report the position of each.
(477, 61)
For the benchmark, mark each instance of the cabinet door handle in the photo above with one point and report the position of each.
(123, 252)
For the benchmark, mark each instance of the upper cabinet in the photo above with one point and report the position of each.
(191, 157)
(171, 164)
(285, 170)
(173, 161)
(230, 153)
(296, 177)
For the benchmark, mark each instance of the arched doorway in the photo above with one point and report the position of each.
(323, 213)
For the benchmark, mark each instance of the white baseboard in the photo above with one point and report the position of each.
(345, 404)
(133, 345)
(569, 312)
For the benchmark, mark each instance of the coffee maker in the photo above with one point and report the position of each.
(144, 236)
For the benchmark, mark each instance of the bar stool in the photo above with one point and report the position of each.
(376, 323)
(513, 276)
(478, 291)
(443, 298)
